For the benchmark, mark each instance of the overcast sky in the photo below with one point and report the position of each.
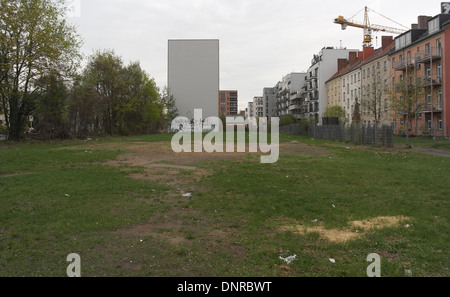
(260, 40)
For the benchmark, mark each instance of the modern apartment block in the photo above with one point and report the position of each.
(290, 85)
(313, 95)
(270, 106)
(228, 103)
(258, 107)
(193, 76)
(420, 78)
(249, 111)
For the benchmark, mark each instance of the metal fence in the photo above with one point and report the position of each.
(362, 134)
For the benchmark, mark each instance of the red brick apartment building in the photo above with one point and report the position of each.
(228, 103)
(421, 76)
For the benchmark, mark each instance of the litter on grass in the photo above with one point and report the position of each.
(289, 259)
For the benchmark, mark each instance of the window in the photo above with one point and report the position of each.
(439, 47)
(385, 65)
(428, 72)
(439, 72)
(428, 121)
(440, 99)
(429, 98)
(433, 25)
(427, 48)
(440, 126)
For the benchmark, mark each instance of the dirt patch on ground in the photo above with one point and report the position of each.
(296, 147)
(356, 229)
(175, 226)
(161, 164)
(433, 152)
(16, 174)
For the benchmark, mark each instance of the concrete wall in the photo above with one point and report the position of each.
(193, 76)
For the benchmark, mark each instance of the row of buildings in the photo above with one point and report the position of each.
(405, 82)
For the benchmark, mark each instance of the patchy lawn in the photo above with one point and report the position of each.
(129, 206)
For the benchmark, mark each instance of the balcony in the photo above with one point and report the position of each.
(427, 108)
(295, 107)
(403, 64)
(431, 55)
(432, 82)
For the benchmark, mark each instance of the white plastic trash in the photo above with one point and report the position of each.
(289, 259)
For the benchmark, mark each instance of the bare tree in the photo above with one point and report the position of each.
(408, 100)
(375, 98)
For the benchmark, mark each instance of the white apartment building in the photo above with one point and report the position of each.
(323, 66)
(258, 107)
(286, 90)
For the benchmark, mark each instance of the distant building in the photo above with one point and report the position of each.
(288, 86)
(193, 76)
(258, 107)
(269, 102)
(228, 103)
(249, 111)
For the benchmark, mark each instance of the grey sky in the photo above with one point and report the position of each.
(260, 40)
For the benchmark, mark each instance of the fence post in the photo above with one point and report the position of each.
(376, 134)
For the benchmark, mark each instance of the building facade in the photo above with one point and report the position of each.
(270, 104)
(249, 111)
(420, 80)
(258, 107)
(375, 97)
(285, 89)
(228, 103)
(193, 76)
(361, 85)
(314, 90)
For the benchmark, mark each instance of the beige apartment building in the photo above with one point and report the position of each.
(360, 85)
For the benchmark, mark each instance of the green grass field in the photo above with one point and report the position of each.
(131, 219)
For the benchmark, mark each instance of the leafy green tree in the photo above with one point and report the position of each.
(287, 120)
(104, 75)
(169, 105)
(51, 108)
(114, 99)
(335, 112)
(35, 39)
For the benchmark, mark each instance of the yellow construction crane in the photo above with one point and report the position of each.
(368, 28)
